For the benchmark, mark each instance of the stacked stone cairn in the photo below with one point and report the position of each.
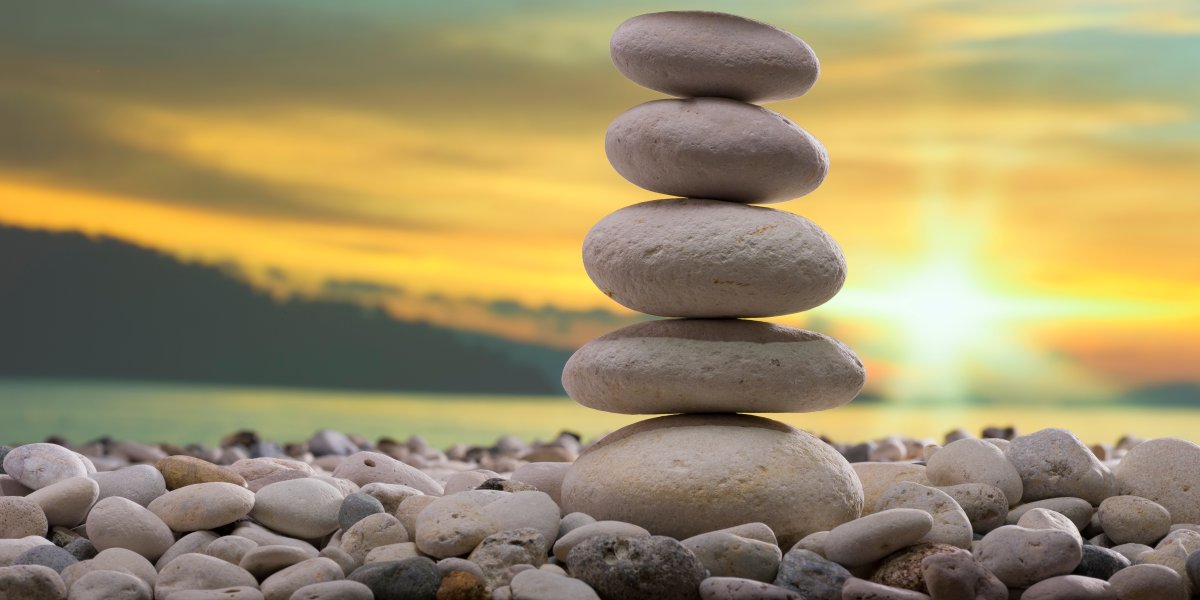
(711, 260)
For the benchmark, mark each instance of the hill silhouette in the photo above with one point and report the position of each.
(73, 306)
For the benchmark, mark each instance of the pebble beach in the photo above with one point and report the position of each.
(338, 516)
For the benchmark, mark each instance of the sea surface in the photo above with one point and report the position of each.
(31, 410)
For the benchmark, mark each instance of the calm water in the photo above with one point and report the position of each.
(81, 410)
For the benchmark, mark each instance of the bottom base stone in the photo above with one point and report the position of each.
(682, 475)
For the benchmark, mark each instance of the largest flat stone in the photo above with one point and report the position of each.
(683, 475)
(711, 259)
(697, 53)
(715, 148)
(712, 365)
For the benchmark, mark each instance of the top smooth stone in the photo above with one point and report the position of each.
(696, 53)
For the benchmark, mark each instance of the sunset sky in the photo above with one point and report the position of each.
(1016, 185)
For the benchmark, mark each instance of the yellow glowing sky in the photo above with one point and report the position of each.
(1016, 185)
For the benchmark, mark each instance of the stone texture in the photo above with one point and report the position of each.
(264, 561)
(410, 579)
(391, 495)
(674, 476)
(563, 546)
(462, 585)
(950, 523)
(957, 575)
(355, 507)
(1021, 557)
(139, 483)
(499, 552)
(810, 575)
(1167, 471)
(117, 522)
(31, 582)
(375, 530)
(545, 476)
(861, 589)
(985, 505)
(181, 470)
(20, 517)
(39, 465)
(334, 590)
(541, 585)
(877, 477)
(712, 365)
(973, 460)
(454, 525)
(1148, 582)
(715, 148)
(733, 588)
(1100, 563)
(203, 506)
(695, 54)
(727, 555)
(282, 584)
(870, 538)
(47, 556)
(1078, 510)
(110, 585)
(230, 548)
(1053, 463)
(1132, 519)
(199, 572)
(1070, 587)
(708, 258)
(637, 567)
(530, 508)
(903, 569)
(194, 542)
(66, 503)
(304, 508)
(372, 467)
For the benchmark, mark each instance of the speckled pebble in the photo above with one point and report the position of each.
(651, 567)
(811, 575)
(31, 582)
(1132, 519)
(1021, 557)
(985, 505)
(950, 523)
(20, 517)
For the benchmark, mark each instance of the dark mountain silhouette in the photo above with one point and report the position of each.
(1178, 394)
(72, 306)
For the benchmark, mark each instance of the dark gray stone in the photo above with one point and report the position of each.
(409, 579)
(620, 567)
(81, 548)
(46, 555)
(4, 450)
(858, 453)
(328, 441)
(356, 507)
(1193, 569)
(811, 575)
(1100, 563)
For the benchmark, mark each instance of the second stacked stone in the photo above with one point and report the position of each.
(711, 260)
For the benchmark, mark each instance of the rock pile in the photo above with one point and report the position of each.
(711, 260)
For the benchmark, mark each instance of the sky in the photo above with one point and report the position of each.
(1016, 185)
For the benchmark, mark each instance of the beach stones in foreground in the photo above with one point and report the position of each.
(637, 567)
(707, 258)
(682, 475)
(1167, 471)
(39, 465)
(1053, 463)
(695, 53)
(712, 365)
(715, 148)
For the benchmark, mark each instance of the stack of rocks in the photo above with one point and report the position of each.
(710, 260)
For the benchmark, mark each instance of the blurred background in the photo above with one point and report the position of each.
(285, 215)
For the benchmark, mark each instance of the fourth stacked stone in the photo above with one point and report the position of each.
(710, 260)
